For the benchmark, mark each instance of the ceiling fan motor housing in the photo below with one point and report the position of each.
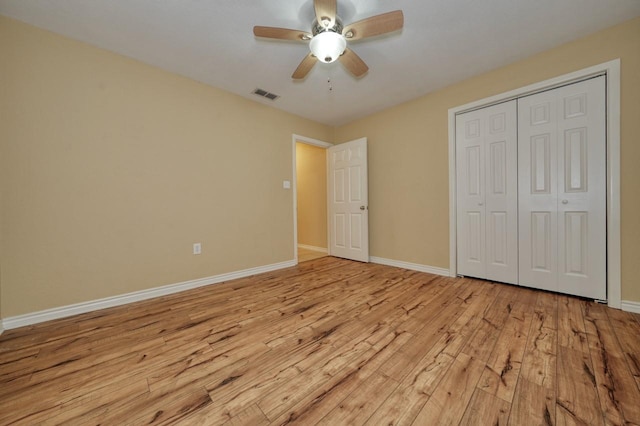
(327, 43)
(321, 26)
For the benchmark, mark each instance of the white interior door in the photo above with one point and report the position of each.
(487, 200)
(348, 201)
(562, 189)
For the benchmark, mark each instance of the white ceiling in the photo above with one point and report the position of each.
(443, 42)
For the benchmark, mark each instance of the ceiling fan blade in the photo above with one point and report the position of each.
(376, 25)
(281, 33)
(305, 66)
(353, 63)
(326, 10)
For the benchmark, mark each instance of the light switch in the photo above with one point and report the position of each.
(286, 184)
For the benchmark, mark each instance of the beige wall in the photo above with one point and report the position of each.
(311, 168)
(408, 157)
(112, 169)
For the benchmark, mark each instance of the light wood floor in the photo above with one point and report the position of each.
(330, 342)
(306, 254)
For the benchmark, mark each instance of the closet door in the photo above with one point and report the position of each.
(486, 167)
(562, 189)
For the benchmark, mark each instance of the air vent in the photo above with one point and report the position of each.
(265, 94)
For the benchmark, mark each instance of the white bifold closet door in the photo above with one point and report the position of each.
(487, 201)
(562, 189)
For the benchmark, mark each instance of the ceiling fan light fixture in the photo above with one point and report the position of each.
(327, 46)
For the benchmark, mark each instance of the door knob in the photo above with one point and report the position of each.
(565, 201)
(480, 204)
(361, 207)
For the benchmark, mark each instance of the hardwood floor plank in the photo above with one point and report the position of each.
(75, 411)
(330, 341)
(445, 343)
(350, 373)
(195, 366)
(618, 392)
(360, 352)
(444, 309)
(476, 307)
(628, 333)
(533, 404)
(250, 416)
(406, 401)
(481, 342)
(448, 402)
(161, 410)
(534, 400)
(539, 361)
(358, 406)
(571, 329)
(16, 368)
(324, 398)
(502, 370)
(73, 384)
(486, 409)
(577, 397)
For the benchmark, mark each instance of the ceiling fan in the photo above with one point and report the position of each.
(328, 37)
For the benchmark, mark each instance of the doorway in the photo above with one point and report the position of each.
(310, 198)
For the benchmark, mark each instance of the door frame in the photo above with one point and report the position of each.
(309, 141)
(611, 70)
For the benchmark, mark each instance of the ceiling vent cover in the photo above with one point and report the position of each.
(265, 94)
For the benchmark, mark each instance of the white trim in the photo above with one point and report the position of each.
(453, 220)
(309, 141)
(328, 195)
(313, 248)
(630, 306)
(411, 266)
(612, 70)
(614, 255)
(137, 296)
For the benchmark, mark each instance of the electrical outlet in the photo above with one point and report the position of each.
(197, 248)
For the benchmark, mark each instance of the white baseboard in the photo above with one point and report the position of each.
(629, 306)
(108, 302)
(411, 266)
(313, 248)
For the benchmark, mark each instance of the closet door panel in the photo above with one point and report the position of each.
(582, 189)
(537, 191)
(501, 197)
(562, 189)
(470, 151)
(486, 167)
